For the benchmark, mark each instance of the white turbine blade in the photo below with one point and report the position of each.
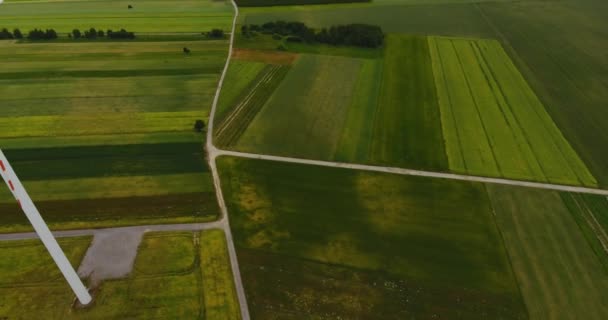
(43, 231)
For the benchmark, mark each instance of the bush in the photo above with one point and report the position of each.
(277, 36)
(17, 33)
(90, 34)
(199, 125)
(282, 47)
(122, 34)
(293, 39)
(216, 33)
(76, 34)
(5, 34)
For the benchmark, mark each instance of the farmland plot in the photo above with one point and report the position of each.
(337, 243)
(171, 280)
(233, 125)
(407, 123)
(305, 114)
(494, 125)
(559, 274)
(111, 130)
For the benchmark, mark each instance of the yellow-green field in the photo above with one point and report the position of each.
(172, 279)
(493, 123)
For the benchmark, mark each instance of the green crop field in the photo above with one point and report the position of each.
(560, 48)
(109, 124)
(407, 124)
(423, 17)
(145, 16)
(367, 243)
(559, 274)
(171, 280)
(311, 104)
(381, 109)
(493, 123)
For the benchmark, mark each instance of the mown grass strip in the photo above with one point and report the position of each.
(49, 126)
(220, 298)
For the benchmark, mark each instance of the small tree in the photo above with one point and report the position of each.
(91, 34)
(199, 125)
(17, 33)
(76, 33)
(5, 34)
(100, 33)
(130, 7)
(216, 33)
(186, 50)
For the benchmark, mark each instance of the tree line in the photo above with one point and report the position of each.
(93, 34)
(359, 35)
(50, 34)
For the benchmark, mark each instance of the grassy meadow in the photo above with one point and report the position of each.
(559, 273)
(493, 123)
(316, 241)
(170, 280)
(109, 125)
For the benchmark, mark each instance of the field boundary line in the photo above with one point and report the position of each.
(419, 173)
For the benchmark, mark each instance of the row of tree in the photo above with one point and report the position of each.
(5, 34)
(39, 34)
(360, 35)
(36, 34)
(50, 34)
(94, 34)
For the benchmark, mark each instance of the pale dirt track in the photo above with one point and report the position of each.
(419, 173)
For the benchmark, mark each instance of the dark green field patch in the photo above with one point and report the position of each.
(281, 287)
(438, 19)
(560, 47)
(104, 161)
(117, 211)
(435, 233)
(407, 123)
